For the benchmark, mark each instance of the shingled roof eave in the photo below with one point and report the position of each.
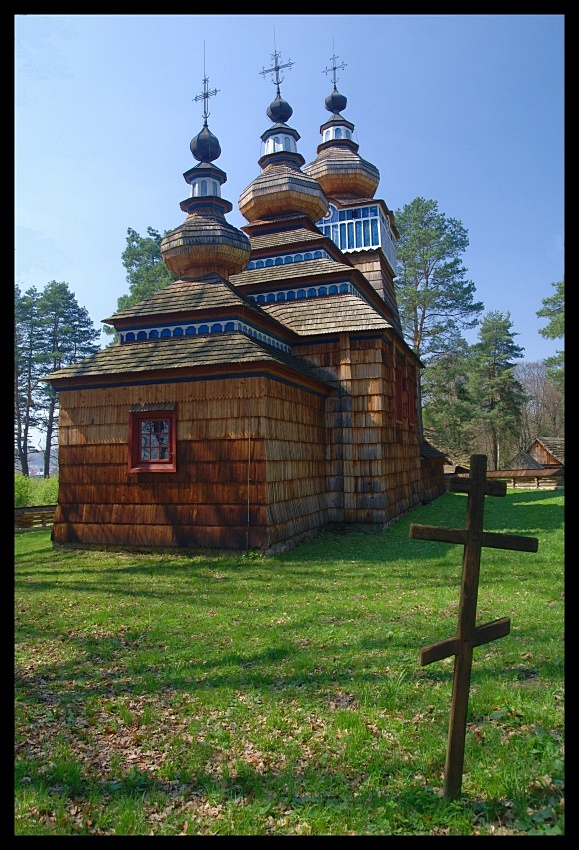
(388, 324)
(106, 366)
(208, 280)
(301, 244)
(311, 277)
(266, 368)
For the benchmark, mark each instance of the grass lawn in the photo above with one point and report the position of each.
(242, 695)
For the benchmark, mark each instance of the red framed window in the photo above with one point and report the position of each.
(153, 441)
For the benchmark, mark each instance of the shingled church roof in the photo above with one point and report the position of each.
(187, 352)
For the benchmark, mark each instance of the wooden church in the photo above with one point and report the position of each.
(268, 391)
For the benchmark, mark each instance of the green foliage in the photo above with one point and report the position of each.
(146, 270)
(435, 300)
(32, 492)
(448, 407)
(69, 336)
(29, 369)
(473, 401)
(52, 331)
(45, 491)
(22, 491)
(69, 331)
(553, 309)
(214, 695)
(496, 394)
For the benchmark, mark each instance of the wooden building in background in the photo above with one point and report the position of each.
(541, 466)
(268, 391)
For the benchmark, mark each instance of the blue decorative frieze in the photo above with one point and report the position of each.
(197, 328)
(299, 293)
(286, 259)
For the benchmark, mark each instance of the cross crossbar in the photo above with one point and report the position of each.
(482, 634)
(276, 68)
(468, 635)
(489, 539)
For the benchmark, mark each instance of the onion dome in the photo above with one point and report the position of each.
(205, 146)
(279, 110)
(336, 102)
(281, 188)
(338, 168)
(205, 242)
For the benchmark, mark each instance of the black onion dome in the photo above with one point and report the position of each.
(335, 102)
(279, 110)
(205, 146)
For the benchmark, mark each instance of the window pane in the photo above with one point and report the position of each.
(351, 234)
(154, 439)
(366, 224)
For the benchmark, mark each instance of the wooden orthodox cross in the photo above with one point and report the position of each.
(473, 538)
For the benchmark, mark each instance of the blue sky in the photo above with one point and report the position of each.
(466, 110)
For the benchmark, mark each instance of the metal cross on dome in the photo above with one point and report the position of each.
(334, 68)
(206, 94)
(276, 56)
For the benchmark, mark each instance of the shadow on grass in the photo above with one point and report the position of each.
(127, 666)
(277, 798)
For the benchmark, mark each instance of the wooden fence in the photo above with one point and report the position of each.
(546, 478)
(26, 519)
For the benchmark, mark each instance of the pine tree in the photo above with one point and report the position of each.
(435, 300)
(553, 309)
(69, 336)
(497, 396)
(448, 408)
(146, 270)
(51, 331)
(28, 371)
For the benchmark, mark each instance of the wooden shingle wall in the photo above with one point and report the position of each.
(375, 268)
(296, 497)
(261, 462)
(228, 491)
(374, 466)
(433, 479)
